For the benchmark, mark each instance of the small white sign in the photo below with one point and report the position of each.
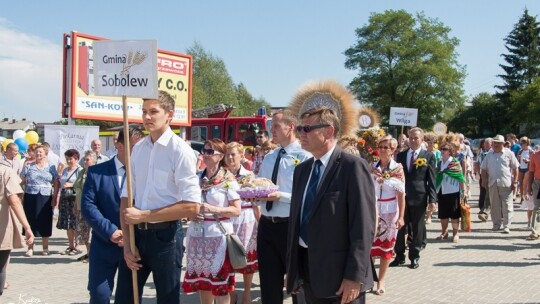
(440, 128)
(403, 116)
(125, 68)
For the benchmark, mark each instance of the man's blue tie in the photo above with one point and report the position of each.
(309, 200)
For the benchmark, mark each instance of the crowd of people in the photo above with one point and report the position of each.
(337, 211)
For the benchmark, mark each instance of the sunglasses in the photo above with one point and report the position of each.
(307, 129)
(384, 147)
(209, 152)
(260, 136)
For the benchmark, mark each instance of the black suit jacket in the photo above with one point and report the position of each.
(341, 227)
(419, 182)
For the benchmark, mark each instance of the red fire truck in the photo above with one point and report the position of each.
(214, 122)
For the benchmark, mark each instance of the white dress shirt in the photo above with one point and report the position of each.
(101, 158)
(294, 155)
(163, 172)
(120, 171)
(416, 153)
(324, 160)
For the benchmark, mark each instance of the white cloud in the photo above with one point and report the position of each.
(30, 76)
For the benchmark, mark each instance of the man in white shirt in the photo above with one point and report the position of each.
(112, 151)
(499, 171)
(96, 147)
(165, 189)
(10, 158)
(273, 226)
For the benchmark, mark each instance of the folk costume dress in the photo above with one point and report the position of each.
(449, 174)
(245, 226)
(386, 186)
(208, 265)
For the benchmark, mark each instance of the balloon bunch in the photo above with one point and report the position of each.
(22, 140)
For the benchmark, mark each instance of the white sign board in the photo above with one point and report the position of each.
(440, 128)
(403, 116)
(63, 138)
(125, 68)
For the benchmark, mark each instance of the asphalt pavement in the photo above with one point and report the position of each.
(483, 267)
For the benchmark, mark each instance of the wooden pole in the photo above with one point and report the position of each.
(127, 166)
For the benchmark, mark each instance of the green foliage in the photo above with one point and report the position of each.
(521, 70)
(406, 61)
(526, 107)
(212, 85)
(523, 58)
(482, 118)
(248, 105)
(103, 125)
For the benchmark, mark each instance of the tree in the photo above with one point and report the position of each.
(523, 59)
(482, 118)
(212, 83)
(403, 61)
(526, 107)
(249, 105)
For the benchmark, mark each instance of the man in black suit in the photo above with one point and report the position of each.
(419, 167)
(332, 217)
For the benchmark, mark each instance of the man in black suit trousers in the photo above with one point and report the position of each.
(419, 168)
(332, 217)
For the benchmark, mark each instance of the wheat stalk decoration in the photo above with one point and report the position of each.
(132, 60)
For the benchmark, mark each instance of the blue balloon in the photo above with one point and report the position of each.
(22, 144)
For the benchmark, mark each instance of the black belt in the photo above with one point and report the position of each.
(155, 226)
(276, 219)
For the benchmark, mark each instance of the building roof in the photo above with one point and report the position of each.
(13, 124)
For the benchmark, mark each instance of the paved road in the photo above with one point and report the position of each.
(484, 267)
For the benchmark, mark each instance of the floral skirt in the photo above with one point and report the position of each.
(66, 218)
(219, 285)
(83, 230)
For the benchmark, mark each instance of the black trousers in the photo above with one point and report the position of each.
(482, 198)
(308, 290)
(272, 252)
(4, 258)
(415, 219)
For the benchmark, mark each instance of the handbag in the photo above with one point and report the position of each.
(465, 215)
(235, 248)
(69, 193)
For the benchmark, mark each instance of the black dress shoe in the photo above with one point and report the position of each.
(397, 261)
(414, 264)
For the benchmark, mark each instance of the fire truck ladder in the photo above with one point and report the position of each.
(215, 111)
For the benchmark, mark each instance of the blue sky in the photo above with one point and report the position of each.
(273, 47)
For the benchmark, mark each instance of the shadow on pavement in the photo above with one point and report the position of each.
(487, 264)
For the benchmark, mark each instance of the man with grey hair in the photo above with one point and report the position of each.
(96, 147)
(419, 168)
(500, 174)
(332, 220)
(10, 158)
